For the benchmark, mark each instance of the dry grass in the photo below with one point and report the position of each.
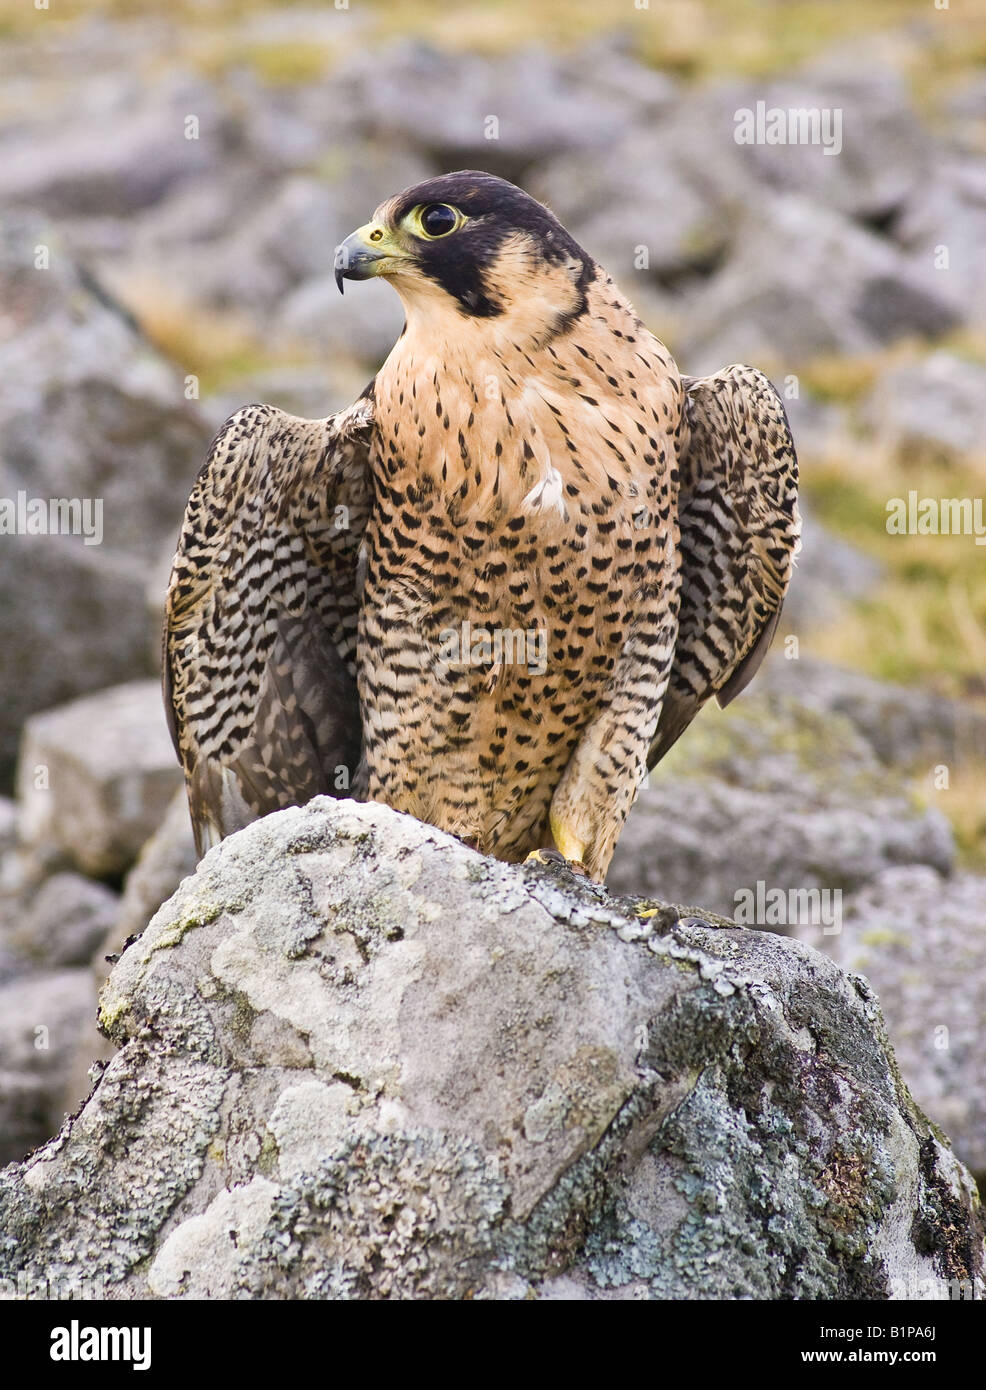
(847, 378)
(279, 63)
(215, 347)
(697, 38)
(963, 802)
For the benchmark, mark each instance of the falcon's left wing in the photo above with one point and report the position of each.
(740, 532)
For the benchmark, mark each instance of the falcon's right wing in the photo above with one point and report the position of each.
(740, 532)
(261, 617)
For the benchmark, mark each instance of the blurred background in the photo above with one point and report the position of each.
(173, 181)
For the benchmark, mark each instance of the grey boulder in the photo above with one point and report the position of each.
(95, 778)
(920, 940)
(62, 921)
(357, 1060)
(931, 408)
(42, 1019)
(89, 414)
(803, 280)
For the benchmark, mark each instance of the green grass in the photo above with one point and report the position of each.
(925, 623)
(278, 63)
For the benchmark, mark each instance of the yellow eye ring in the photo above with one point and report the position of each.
(432, 221)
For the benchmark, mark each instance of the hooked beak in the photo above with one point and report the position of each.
(364, 252)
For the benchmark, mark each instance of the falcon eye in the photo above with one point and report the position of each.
(438, 219)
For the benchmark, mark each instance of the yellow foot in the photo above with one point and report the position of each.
(552, 856)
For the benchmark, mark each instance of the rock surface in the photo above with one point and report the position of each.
(359, 1060)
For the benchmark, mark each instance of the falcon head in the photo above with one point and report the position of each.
(473, 246)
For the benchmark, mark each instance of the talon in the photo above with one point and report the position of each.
(545, 856)
(554, 856)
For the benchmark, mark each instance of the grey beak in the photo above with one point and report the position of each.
(354, 259)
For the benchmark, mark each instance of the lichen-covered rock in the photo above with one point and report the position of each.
(166, 858)
(358, 1060)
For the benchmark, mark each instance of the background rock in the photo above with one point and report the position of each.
(829, 576)
(8, 823)
(796, 793)
(530, 96)
(905, 728)
(64, 921)
(845, 291)
(109, 772)
(921, 942)
(88, 411)
(126, 155)
(364, 328)
(935, 406)
(885, 150)
(41, 1020)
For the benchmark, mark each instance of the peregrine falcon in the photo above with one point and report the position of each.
(495, 590)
